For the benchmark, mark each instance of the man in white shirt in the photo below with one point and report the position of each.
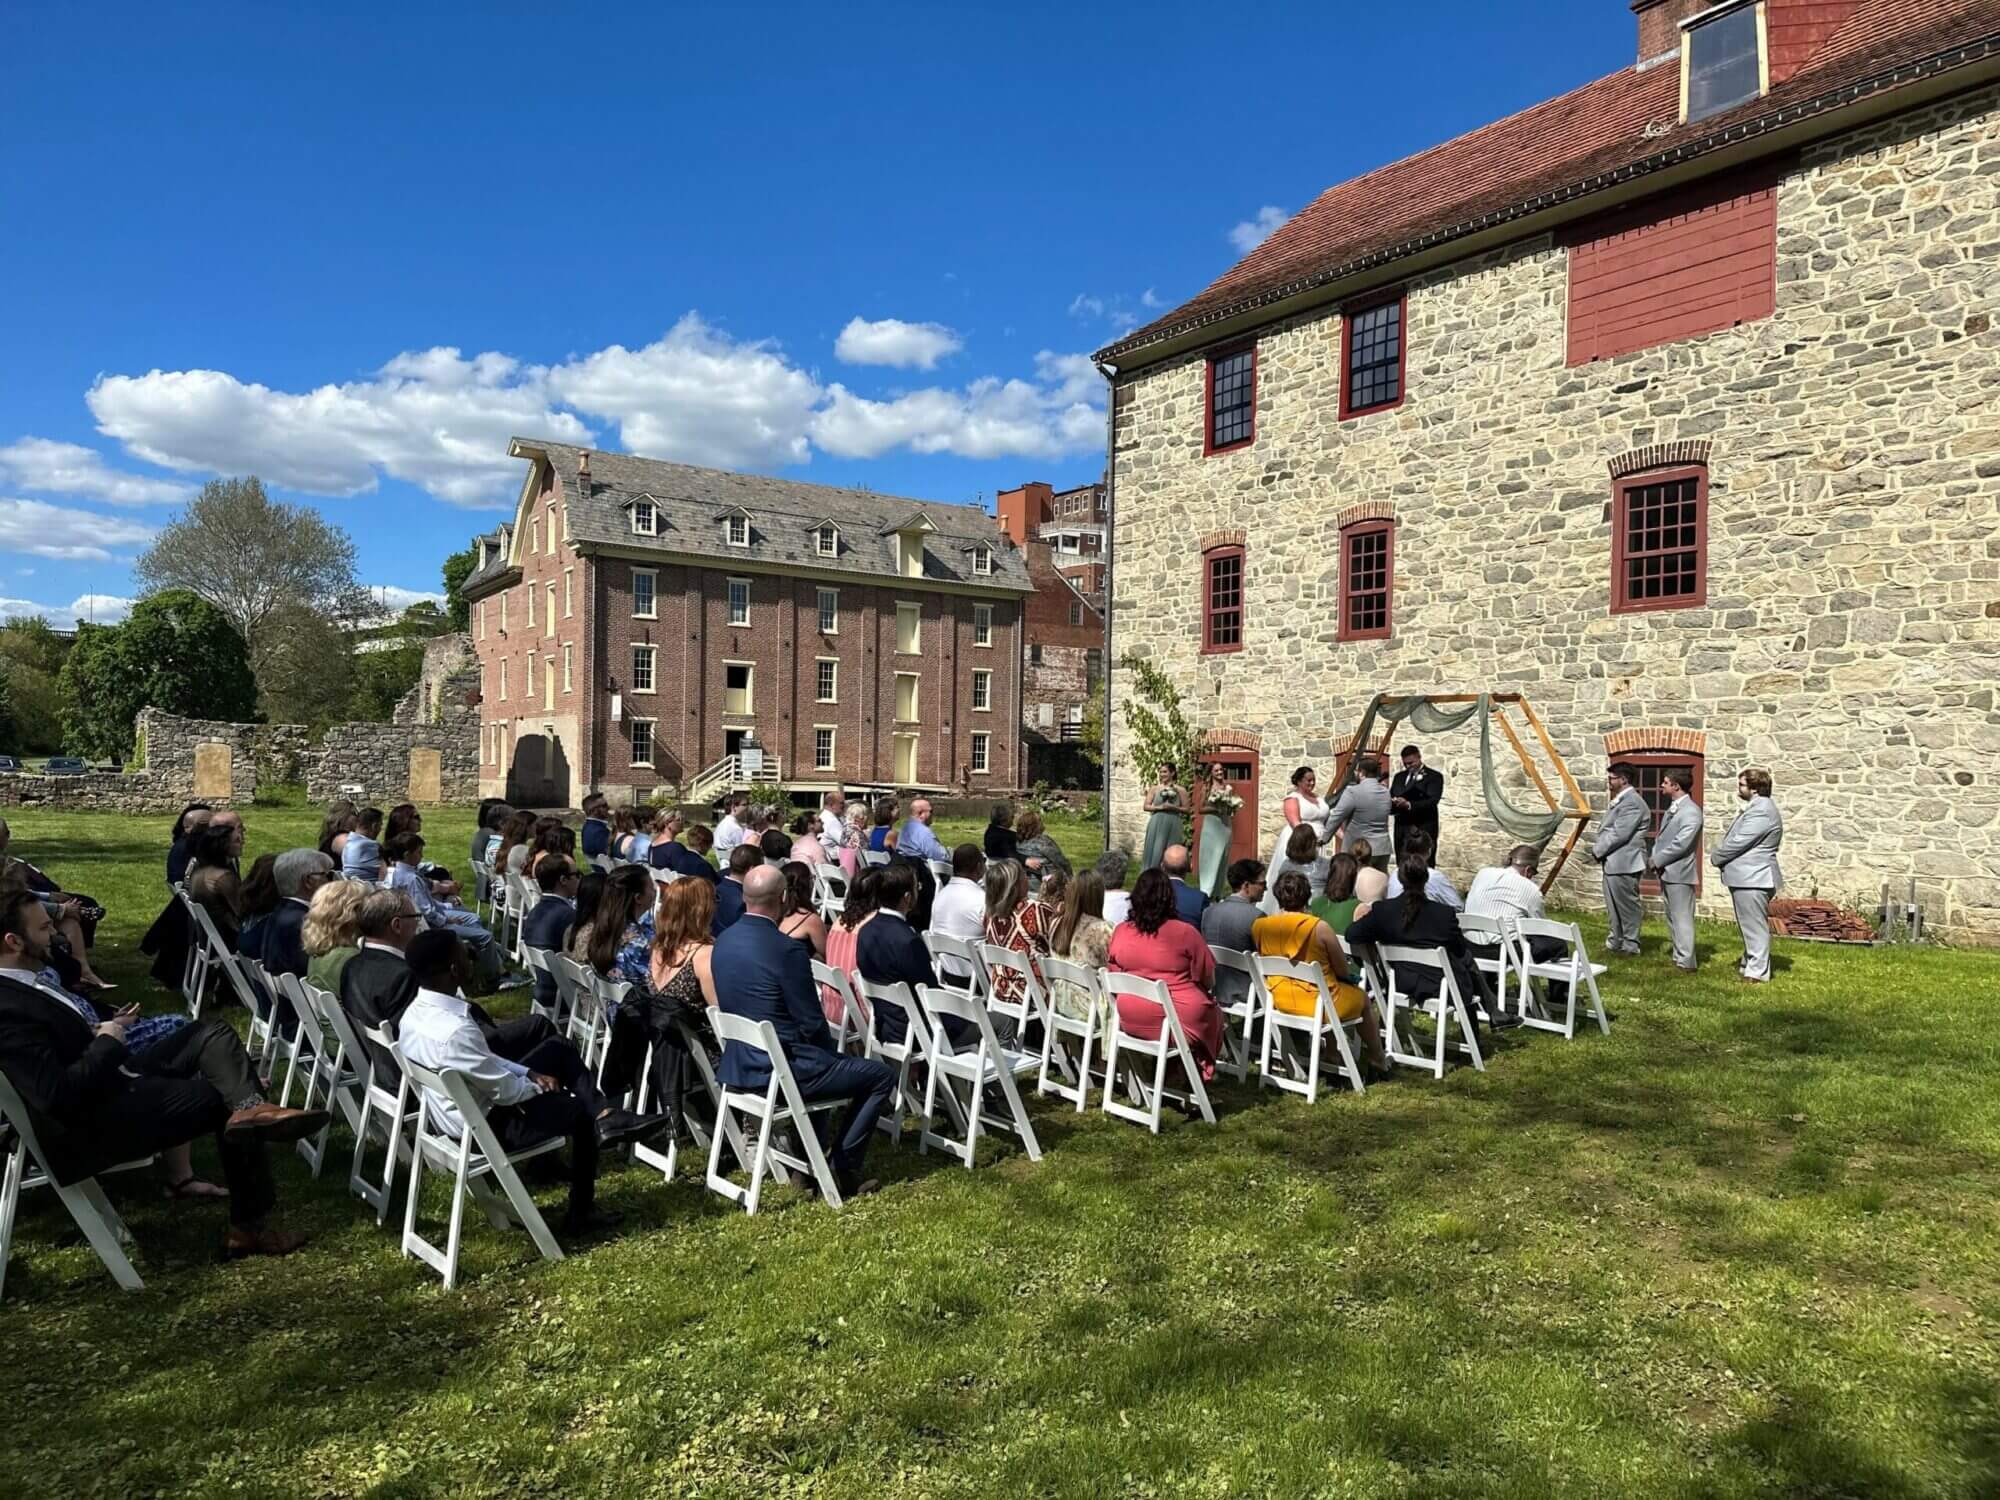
(1509, 892)
(730, 831)
(960, 908)
(549, 1092)
(1112, 866)
(1438, 887)
(833, 822)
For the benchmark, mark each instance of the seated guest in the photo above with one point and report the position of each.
(1302, 853)
(404, 853)
(959, 911)
(517, 835)
(485, 828)
(744, 858)
(331, 932)
(854, 837)
(830, 827)
(666, 833)
(1336, 906)
(688, 854)
(1013, 920)
(549, 841)
(589, 896)
(257, 899)
(729, 828)
(762, 975)
(777, 847)
(596, 836)
(547, 925)
(882, 834)
(887, 950)
(95, 1103)
(194, 817)
(76, 917)
(1508, 892)
(1189, 903)
(361, 855)
(1113, 865)
(1226, 923)
(1297, 935)
(1001, 841)
(1414, 919)
(806, 846)
(1035, 849)
(630, 838)
(914, 840)
(844, 937)
(1156, 944)
(621, 948)
(281, 936)
(548, 1092)
(1371, 881)
(212, 882)
(1081, 935)
(403, 818)
(339, 819)
(682, 975)
(1438, 886)
(801, 921)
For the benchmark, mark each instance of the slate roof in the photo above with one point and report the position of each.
(1569, 147)
(784, 517)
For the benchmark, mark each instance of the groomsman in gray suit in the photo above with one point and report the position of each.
(1748, 859)
(1676, 858)
(1620, 851)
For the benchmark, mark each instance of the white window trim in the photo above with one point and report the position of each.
(987, 706)
(830, 661)
(503, 614)
(987, 611)
(528, 675)
(569, 682)
(729, 525)
(834, 628)
(549, 610)
(531, 606)
(569, 593)
(652, 740)
(749, 691)
(826, 541)
(728, 607)
(982, 741)
(652, 676)
(832, 733)
(535, 534)
(482, 619)
(652, 515)
(916, 646)
(654, 612)
(982, 561)
(916, 714)
(548, 683)
(503, 681)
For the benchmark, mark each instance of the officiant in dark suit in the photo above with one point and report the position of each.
(1414, 796)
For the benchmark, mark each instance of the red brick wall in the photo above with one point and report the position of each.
(1671, 268)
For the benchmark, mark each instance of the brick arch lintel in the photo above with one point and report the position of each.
(1634, 741)
(1661, 456)
(1236, 739)
(1367, 510)
(1216, 539)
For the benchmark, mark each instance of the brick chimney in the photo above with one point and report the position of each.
(1660, 24)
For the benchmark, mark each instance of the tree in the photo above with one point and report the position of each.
(250, 557)
(423, 620)
(7, 734)
(1161, 734)
(380, 679)
(457, 568)
(31, 657)
(304, 668)
(177, 652)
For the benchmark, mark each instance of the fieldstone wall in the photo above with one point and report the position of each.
(378, 759)
(172, 759)
(1852, 622)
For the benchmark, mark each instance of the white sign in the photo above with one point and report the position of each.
(617, 707)
(752, 759)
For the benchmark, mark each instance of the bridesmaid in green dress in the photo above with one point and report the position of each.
(1165, 827)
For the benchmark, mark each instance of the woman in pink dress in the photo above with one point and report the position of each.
(1153, 943)
(844, 936)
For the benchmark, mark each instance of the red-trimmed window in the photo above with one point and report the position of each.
(1367, 580)
(1646, 768)
(1659, 540)
(1230, 419)
(1222, 600)
(1373, 356)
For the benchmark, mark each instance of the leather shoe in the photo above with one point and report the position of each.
(856, 1187)
(267, 1122)
(239, 1243)
(621, 1127)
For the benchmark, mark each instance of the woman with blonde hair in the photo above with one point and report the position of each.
(332, 932)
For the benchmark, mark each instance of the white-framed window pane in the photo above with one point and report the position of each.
(569, 592)
(982, 691)
(531, 606)
(829, 611)
(568, 662)
(528, 676)
(549, 614)
(822, 749)
(642, 669)
(739, 531)
(980, 753)
(827, 683)
(644, 521)
(906, 697)
(909, 629)
(503, 682)
(982, 624)
(642, 742)
(829, 541)
(739, 601)
(645, 600)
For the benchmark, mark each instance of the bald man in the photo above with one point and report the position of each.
(762, 975)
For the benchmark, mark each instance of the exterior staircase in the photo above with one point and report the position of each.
(728, 775)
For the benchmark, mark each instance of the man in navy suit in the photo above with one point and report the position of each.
(281, 936)
(743, 859)
(687, 854)
(1189, 903)
(547, 925)
(889, 951)
(595, 838)
(762, 975)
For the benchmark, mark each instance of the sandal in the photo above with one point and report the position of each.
(191, 1189)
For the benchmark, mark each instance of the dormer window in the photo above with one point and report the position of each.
(736, 530)
(1722, 59)
(826, 540)
(645, 518)
(982, 560)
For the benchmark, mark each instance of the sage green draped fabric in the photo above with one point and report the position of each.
(1425, 717)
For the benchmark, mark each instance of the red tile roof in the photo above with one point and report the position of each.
(1617, 123)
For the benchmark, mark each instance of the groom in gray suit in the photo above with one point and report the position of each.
(1676, 859)
(1748, 859)
(1620, 851)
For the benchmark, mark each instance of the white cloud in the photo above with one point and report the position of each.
(102, 609)
(1251, 233)
(53, 468)
(39, 529)
(1083, 305)
(891, 341)
(395, 599)
(1149, 298)
(1044, 418)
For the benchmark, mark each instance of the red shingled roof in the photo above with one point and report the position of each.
(1616, 123)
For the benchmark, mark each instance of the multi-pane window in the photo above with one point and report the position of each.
(569, 680)
(822, 748)
(1232, 400)
(645, 519)
(827, 541)
(569, 592)
(1222, 600)
(826, 685)
(1371, 342)
(642, 742)
(982, 560)
(982, 691)
(642, 668)
(1660, 541)
(737, 685)
(982, 754)
(1075, 612)
(982, 624)
(739, 601)
(737, 530)
(1367, 566)
(645, 593)
(1035, 655)
(1724, 63)
(829, 611)
(1647, 767)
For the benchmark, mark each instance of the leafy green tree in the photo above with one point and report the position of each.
(7, 726)
(380, 678)
(177, 652)
(457, 568)
(1161, 733)
(304, 668)
(31, 657)
(424, 620)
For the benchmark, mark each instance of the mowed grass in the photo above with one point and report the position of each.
(1743, 1246)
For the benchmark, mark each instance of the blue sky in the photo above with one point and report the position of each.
(352, 248)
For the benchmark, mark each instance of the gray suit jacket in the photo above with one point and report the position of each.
(1621, 841)
(1677, 846)
(1748, 853)
(1362, 812)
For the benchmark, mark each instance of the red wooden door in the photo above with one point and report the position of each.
(1239, 768)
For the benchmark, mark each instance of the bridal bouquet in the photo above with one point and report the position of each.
(1222, 803)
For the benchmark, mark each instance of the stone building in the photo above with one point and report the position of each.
(643, 625)
(1673, 403)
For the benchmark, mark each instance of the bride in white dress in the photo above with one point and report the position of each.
(1301, 806)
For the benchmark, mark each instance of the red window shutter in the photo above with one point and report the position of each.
(1367, 581)
(1221, 600)
(1674, 267)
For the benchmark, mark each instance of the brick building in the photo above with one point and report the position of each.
(639, 623)
(1072, 522)
(1670, 403)
(1061, 534)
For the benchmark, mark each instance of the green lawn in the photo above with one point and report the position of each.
(1743, 1246)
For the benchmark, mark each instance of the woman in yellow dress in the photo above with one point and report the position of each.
(1294, 933)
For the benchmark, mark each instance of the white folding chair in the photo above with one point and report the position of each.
(965, 953)
(1240, 997)
(500, 902)
(1446, 1009)
(1576, 970)
(257, 995)
(471, 1157)
(522, 895)
(1171, 1043)
(874, 857)
(482, 886)
(940, 871)
(26, 1167)
(990, 962)
(1089, 1033)
(979, 1066)
(194, 968)
(542, 961)
(1489, 942)
(664, 876)
(851, 1034)
(331, 1077)
(914, 1050)
(607, 994)
(1277, 1064)
(778, 1102)
(829, 891)
(387, 1111)
(585, 1024)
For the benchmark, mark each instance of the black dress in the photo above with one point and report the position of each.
(1001, 843)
